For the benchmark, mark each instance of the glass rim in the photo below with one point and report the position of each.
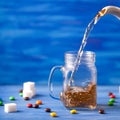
(76, 52)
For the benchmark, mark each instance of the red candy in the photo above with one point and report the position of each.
(29, 105)
(112, 96)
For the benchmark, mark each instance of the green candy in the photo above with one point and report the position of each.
(112, 100)
(1, 103)
(21, 94)
(110, 103)
(11, 98)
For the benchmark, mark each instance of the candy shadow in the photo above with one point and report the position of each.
(20, 111)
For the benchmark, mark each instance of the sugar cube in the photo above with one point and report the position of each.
(10, 107)
(29, 85)
(28, 93)
(29, 89)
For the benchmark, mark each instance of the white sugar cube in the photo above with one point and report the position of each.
(34, 92)
(29, 89)
(10, 107)
(28, 85)
(28, 93)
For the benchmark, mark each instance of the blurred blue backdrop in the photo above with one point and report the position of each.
(34, 34)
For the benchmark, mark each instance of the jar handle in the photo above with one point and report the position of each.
(50, 85)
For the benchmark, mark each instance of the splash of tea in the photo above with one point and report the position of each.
(113, 10)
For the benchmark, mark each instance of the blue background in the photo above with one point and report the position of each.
(35, 34)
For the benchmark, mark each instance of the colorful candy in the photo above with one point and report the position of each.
(21, 91)
(1, 103)
(73, 111)
(53, 114)
(47, 110)
(29, 105)
(101, 111)
(21, 94)
(110, 103)
(112, 100)
(35, 106)
(112, 96)
(11, 98)
(39, 102)
(26, 98)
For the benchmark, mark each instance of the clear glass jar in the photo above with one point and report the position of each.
(82, 92)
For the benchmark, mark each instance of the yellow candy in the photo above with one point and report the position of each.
(53, 114)
(73, 111)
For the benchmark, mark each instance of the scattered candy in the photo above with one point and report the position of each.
(10, 107)
(53, 114)
(35, 106)
(21, 94)
(21, 91)
(73, 111)
(39, 102)
(29, 105)
(26, 98)
(47, 110)
(101, 111)
(112, 100)
(112, 96)
(11, 98)
(110, 103)
(1, 103)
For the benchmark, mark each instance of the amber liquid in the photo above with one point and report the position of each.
(80, 97)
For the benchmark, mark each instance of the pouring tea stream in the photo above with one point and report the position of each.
(79, 71)
(113, 10)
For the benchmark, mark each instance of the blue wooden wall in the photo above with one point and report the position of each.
(34, 34)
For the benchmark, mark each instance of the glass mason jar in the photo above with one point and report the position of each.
(81, 91)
